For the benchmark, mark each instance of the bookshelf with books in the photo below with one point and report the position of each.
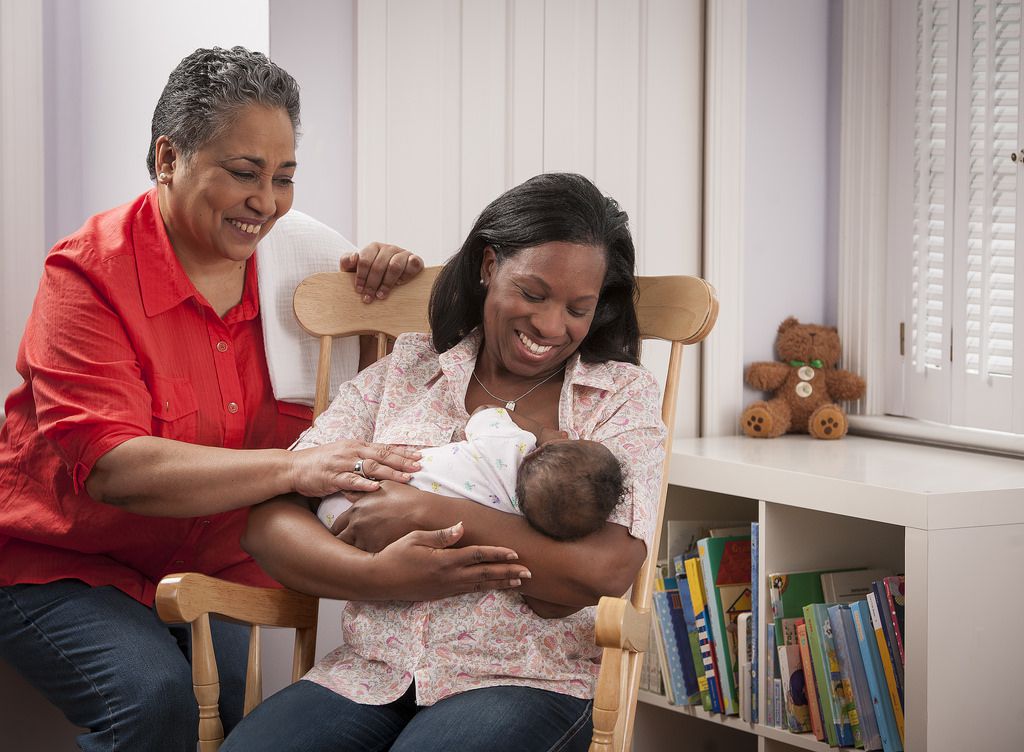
(950, 521)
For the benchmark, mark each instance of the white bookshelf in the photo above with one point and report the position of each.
(952, 521)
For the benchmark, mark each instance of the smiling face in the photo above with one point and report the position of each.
(219, 203)
(539, 306)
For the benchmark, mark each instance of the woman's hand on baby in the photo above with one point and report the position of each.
(381, 518)
(422, 566)
(328, 468)
(379, 267)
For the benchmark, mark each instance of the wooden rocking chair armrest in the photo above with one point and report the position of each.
(621, 625)
(183, 598)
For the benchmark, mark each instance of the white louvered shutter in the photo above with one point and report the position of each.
(960, 316)
(988, 208)
(927, 373)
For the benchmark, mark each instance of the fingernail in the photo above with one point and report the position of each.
(513, 557)
(406, 476)
(515, 583)
(359, 288)
(526, 574)
(380, 295)
(455, 528)
(367, 298)
(415, 466)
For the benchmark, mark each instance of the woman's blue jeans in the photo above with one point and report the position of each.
(309, 718)
(113, 667)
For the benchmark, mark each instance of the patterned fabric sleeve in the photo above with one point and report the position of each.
(353, 412)
(634, 433)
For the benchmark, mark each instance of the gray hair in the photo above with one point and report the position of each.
(207, 88)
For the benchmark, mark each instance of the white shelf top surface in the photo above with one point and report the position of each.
(905, 484)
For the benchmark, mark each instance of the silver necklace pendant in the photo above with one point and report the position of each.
(510, 405)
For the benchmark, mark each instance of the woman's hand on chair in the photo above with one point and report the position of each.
(422, 566)
(326, 469)
(379, 268)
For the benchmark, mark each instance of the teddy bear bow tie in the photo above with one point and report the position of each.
(816, 363)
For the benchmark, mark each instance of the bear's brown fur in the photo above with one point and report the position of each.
(805, 385)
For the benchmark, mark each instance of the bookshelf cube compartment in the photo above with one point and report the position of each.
(952, 521)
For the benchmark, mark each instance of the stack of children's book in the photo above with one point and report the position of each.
(838, 665)
(833, 652)
(704, 633)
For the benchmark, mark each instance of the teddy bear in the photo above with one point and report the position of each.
(804, 386)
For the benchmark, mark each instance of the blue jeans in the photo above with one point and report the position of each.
(113, 667)
(306, 717)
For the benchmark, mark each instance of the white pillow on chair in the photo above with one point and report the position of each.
(296, 247)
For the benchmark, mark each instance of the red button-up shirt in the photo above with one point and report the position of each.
(120, 344)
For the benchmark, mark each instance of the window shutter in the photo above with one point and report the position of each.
(932, 171)
(992, 199)
(967, 193)
(989, 197)
(927, 372)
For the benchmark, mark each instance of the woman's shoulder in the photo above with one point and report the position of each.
(103, 235)
(613, 375)
(413, 355)
(415, 347)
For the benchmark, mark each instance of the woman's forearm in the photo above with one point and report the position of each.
(293, 546)
(295, 549)
(571, 573)
(160, 477)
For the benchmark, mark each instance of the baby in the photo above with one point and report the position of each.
(565, 488)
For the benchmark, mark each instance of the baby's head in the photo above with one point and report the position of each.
(567, 489)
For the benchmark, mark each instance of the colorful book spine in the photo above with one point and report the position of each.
(813, 704)
(843, 708)
(692, 639)
(777, 701)
(770, 674)
(852, 668)
(794, 689)
(885, 619)
(668, 640)
(678, 617)
(895, 598)
(821, 675)
(887, 667)
(694, 581)
(744, 635)
(726, 598)
(880, 701)
(661, 650)
(755, 611)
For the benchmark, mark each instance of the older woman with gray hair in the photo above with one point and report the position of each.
(146, 424)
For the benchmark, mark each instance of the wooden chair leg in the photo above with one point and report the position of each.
(254, 672)
(305, 652)
(206, 684)
(606, 700)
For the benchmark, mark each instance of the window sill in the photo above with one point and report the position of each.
(923, 432)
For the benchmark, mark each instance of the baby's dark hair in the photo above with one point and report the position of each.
(567, 489)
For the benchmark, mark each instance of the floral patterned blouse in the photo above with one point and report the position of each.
(416, 397)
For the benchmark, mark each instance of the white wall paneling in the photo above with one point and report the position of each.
(724, 148)
(863, 195)
(457, 102)
(21, 179)
(314, 40)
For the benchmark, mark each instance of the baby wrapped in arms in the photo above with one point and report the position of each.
(565, 488)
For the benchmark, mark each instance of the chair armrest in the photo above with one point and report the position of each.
(182, 598)
(621, 625)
